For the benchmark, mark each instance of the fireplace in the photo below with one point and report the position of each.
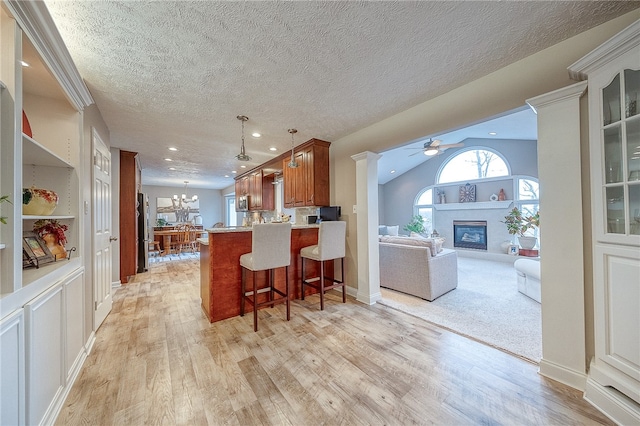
(470, 234)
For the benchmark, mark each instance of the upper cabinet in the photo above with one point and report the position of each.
(304, 186)
(308, 184)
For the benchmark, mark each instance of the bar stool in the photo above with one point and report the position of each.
(270, 249)
(331, 246)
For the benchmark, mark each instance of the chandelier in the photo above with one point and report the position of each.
(242, 156)
(292, 164)
(184, 198)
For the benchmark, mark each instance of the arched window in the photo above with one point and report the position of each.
(423, 206)
(471, 164)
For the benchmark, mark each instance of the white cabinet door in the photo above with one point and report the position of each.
(45, 353)
(74, 318)
(12, 390)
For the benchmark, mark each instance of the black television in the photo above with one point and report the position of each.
(330, 213)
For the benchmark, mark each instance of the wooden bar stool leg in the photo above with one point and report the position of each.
(344, 287)
(242, 290)
(322, 285)
(271, 284)
(288, 302)
(255, 303)
(302, 287)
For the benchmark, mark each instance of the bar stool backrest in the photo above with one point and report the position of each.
(271, 245)
(331, 240)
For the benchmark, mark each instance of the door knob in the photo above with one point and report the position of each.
(113, 239)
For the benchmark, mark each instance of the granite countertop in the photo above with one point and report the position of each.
(248, 228)
(203, 241)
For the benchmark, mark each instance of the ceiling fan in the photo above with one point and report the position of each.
(433, 147)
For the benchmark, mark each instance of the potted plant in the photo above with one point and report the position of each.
(52, 232)
(4, 198)
(517, 224)
(416, 225)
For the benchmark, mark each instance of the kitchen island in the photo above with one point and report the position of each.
(221, 274)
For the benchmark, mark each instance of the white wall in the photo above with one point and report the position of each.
(211, 201)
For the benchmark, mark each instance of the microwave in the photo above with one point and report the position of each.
(243, 203)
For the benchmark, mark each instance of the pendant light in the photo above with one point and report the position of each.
(242, 156)
(292, 164)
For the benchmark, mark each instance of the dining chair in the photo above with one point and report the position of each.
(331, 246)
(179, 239)
(270, 249)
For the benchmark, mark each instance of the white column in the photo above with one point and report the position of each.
(367, 227)
(562, 265)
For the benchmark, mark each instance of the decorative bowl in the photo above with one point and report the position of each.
(38, 202)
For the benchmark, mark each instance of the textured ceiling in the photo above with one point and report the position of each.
(178, 73)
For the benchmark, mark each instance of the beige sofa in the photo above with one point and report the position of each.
(409, 267)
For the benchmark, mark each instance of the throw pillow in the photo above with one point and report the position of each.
(382, 229)
(393, 230)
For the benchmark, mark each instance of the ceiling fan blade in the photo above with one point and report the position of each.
(451, 145)
(435, 143)
(419, 152)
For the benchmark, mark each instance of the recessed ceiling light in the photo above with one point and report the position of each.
(172, 168)
(392, 171)
(273, 148)
(493, 133)
(243, 167)
(226, 175)
(168, 159)
(171, 148)
(256, 134)
(233, 171)
(24, 64)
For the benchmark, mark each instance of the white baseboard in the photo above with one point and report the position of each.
(116, 284)
(611, 403)
(88, 347)
(368, 299)
(557, 372)
(353, 292)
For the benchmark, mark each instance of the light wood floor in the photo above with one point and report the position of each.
(157, 360)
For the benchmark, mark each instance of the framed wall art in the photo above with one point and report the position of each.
(468, 193)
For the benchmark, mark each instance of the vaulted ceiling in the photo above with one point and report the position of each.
(176, 74)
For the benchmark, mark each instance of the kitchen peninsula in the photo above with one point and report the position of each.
(221, 274)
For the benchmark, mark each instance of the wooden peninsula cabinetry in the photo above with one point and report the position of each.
(220, 271)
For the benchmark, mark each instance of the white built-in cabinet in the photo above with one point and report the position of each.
(613, 74)
(43, 328)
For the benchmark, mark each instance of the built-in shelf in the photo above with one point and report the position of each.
(482, 205)
(35, 154)
(33, 217)
(50, 272)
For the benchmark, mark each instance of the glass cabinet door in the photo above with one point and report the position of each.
(621, 159)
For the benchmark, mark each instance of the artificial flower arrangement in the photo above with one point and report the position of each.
(51, 226)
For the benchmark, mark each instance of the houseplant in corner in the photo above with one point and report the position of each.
(416, 225)
(52, 232)
(517, 224)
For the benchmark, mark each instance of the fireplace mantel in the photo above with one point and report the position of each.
(482, 205)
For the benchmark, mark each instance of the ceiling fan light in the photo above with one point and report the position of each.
(430, 152)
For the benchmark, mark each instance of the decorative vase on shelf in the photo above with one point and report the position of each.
(38, 202)
(501, 195)
(527, 242)
(54, 246)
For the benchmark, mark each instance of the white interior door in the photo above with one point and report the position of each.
(101, 228)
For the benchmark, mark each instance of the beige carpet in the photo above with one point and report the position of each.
(486, 307)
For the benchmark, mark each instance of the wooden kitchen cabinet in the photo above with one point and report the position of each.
(255, 190)
(308, 184)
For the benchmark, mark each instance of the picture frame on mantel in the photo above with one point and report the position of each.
(467, 193)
